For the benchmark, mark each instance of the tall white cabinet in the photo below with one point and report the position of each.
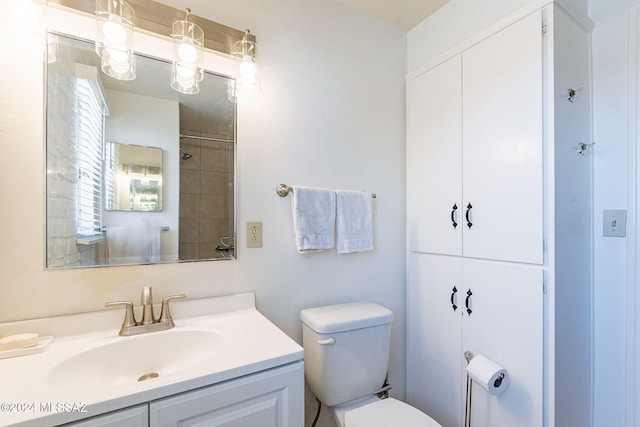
(498, 207)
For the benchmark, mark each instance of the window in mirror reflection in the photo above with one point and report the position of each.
(136, 173)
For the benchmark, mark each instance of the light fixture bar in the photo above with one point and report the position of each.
(158, 18)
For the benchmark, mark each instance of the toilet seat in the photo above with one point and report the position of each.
(388, 413)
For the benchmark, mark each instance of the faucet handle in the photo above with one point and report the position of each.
(129, 317)
(165, 315)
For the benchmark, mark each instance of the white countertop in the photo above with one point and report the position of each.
(31, 392)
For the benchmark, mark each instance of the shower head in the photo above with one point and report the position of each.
(185, 155)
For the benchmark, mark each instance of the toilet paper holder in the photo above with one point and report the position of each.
(490, 376)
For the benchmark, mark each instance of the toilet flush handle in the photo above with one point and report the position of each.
(327, 341)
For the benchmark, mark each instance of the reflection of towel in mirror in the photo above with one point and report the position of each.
(133, 243)
(314, 216)
(354, 227)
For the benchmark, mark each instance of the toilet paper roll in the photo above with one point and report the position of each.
(488, 374)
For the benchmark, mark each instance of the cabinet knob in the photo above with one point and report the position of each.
(466, 215)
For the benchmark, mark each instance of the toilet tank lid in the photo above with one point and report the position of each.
(346, 317)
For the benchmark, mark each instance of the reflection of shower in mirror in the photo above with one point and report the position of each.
(185, 155)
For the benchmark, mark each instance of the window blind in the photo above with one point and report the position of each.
(91, 111)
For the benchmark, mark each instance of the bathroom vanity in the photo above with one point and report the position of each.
(223, 363)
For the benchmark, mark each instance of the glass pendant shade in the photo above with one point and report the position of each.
(115, 19)
(188, 44)
(247, 74)
(28, 14)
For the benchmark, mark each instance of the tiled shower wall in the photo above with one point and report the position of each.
(206, 196)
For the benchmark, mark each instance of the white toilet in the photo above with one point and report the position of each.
(346, 353)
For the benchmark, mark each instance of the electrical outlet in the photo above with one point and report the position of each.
(254, 234)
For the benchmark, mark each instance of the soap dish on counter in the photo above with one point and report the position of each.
(43, 344)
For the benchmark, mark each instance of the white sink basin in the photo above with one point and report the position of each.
(215, 340)
(137, 358)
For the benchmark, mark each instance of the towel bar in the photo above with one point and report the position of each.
(162, 228)
(283, 190)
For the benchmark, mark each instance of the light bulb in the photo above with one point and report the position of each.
(23, 12)
(248, 68)
(187, 52)
(185, 84)
(117, 53)
(186, 71)
(119, 67)
(114, 32)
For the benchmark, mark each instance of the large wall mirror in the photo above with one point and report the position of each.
(136, 172)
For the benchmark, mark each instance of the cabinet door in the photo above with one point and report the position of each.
(502, 148)
(434, 153)
(434, 346)
(137, 416)
(506, 325)
(272, 398)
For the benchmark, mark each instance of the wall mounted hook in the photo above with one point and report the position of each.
(582, 147)
(573, 93)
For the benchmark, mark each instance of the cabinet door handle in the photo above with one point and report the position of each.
(453, 213)
(327, 341)
(454, 291)
(467, 300)
(466, 215)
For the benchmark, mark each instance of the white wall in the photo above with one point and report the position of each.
(610, 88)
(331, 113)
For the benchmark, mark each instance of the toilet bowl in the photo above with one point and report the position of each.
(346, 357)
(387, 412)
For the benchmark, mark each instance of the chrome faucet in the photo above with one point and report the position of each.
(146, 300)
(149, 323)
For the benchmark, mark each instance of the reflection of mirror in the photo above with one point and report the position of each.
(133, 178)
(178, 206)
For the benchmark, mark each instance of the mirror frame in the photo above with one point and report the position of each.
(81, 26)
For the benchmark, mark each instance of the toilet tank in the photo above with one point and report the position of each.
(346, 350)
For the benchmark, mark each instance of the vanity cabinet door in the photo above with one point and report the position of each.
(137, 416)
(273, 398)
(434, 160)
(502, 145)
(506, 325)
(435, 303)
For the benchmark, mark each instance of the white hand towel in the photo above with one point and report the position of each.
(314, 217)
(133, 243)
(354, 224)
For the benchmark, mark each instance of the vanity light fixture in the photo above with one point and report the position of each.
(188, 43)
(248, 76)
(26, 14)
(115, 19)
(27, 19)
